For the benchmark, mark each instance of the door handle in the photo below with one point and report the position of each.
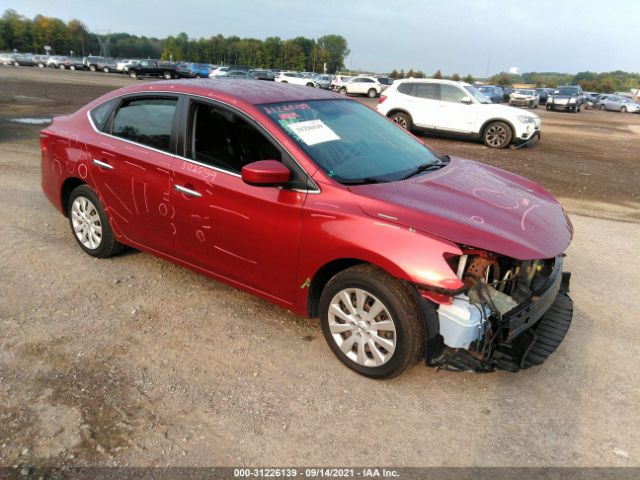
(102, 164)
(187, 191)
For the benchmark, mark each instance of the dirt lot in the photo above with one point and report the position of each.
(134, 361)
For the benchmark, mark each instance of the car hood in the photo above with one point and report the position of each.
(476, 205)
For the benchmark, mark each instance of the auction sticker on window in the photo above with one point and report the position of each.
(313, 132)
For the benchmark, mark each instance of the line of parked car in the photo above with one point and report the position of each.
(566, 97)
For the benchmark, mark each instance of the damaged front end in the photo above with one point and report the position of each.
(510, 314)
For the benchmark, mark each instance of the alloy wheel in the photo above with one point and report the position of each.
(496, 135)
(400, 120)
(86, 222)
(362, 327)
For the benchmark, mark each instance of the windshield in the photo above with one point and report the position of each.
(349, 141)
(475, 93)
(567, 91)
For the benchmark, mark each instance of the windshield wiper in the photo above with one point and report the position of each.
(424, 167)
(361, 181)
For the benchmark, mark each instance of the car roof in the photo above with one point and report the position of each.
(433, 80)
(250, 91)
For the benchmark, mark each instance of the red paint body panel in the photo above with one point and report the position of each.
(270, 240)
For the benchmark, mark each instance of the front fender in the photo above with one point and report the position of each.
(403, 252)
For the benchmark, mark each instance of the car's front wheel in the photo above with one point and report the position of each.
(90, 225)
(372, 93)
(623, 110)
(402, 119)
(133, 74)
(166, 75)
(342, 91)
(371, 322)
(497, 135)
(72, 67)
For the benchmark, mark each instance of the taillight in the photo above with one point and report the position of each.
(382, 98)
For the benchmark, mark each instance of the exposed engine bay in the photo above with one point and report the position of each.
(510, 313)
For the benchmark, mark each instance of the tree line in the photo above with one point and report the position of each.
(305, 54)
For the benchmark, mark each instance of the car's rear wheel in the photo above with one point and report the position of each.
(106, 69)
(166, 75)
(623, 110)
(90, 225)
(342, 91)
(92, 68)
(133, 74)
(371, 322)
(602, 108)
(198, 75)
(372, 93)
(72, 67)
(61, 67)
(40, 65)
(310, 84)
(402, 119)
(497, 135)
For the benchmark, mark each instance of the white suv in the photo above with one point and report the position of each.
(368, 86)
(296, 78)
(457, 108)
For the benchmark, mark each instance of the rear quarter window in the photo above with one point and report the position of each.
(101, 113)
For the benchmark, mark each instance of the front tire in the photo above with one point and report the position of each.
(342, 91)
(623, 110)
(166, 75)
(372, 93)
(133, 74)
(106, 69)
(497, 135)
(72, 67)
(92, 68)
(371, 322)
(90, 225)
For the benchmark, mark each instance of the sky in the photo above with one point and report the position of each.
(479, 37)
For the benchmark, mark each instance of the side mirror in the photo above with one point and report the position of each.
(265, 173)
(466, 100)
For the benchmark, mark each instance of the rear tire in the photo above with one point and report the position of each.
(90, 225)
(106, 69)
(61, 67)
(365, 344)
(372, 93)
(402, 119)
(92, 68)
(72, 67)
(602, 108)
(623, 110)
(133, 74)
(166, 75)
(497, 135)
(342, 91)
(310, 84)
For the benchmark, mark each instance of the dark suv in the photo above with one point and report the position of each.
(566, 97)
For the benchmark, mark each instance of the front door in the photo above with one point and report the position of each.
(246, 234)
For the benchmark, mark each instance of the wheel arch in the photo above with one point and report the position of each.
(393, 111)
(65, 192)
(322, 276)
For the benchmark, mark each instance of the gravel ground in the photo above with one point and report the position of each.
(135, 361)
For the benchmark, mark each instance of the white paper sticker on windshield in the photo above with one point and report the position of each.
(312, 132)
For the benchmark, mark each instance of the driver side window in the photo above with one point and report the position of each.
(449, 93)
(223, 139)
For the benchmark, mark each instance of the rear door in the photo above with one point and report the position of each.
(422, 100)
(130, 168)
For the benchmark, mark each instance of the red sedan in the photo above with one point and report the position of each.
(316, 203)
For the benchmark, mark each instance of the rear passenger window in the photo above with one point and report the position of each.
(405, 88)
(147, 121)
(428, 91)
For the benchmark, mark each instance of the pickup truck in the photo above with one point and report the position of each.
(153, 68)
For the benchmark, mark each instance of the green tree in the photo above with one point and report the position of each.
(411, 73)
(455, 77)
(172, 50)
(336, 49)
(394, 74)
(469, 78)
(438, 74)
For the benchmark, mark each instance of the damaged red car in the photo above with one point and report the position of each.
(316, 203)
